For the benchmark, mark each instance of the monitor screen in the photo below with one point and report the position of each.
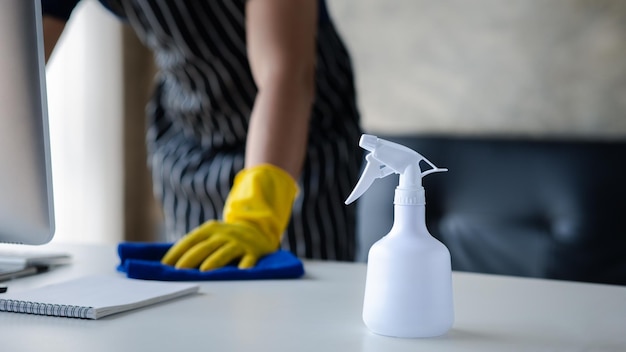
(26, 204)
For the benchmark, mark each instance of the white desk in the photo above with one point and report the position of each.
(322, 312)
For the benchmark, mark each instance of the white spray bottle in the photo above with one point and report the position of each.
(408, 290)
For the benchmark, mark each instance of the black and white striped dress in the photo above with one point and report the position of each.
(199, 114)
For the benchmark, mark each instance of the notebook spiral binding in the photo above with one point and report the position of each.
(57, 310)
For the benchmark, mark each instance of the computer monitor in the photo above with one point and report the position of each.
(26, 203)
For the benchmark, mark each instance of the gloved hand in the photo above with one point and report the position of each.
(256, 214)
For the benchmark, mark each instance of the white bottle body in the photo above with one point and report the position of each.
(408, 291)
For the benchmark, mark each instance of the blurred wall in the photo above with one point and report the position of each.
(85, 101)
(99, 80)
(518, 67)
(142, 213)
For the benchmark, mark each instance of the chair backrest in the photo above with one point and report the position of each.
(514, 206)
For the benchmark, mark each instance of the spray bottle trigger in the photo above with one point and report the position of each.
(373, 169)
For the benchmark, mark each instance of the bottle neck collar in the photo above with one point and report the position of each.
(409, 196)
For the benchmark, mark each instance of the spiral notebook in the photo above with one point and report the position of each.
(93, 297)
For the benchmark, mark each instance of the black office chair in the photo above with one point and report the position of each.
(518, 206)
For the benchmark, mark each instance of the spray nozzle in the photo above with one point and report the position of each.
(387, 157)
(368, 142)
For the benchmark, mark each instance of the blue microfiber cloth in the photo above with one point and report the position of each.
(143, 261)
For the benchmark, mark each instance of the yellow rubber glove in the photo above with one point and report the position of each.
(256, 214)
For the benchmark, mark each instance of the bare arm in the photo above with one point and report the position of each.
(52, 30)
(281, 48)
